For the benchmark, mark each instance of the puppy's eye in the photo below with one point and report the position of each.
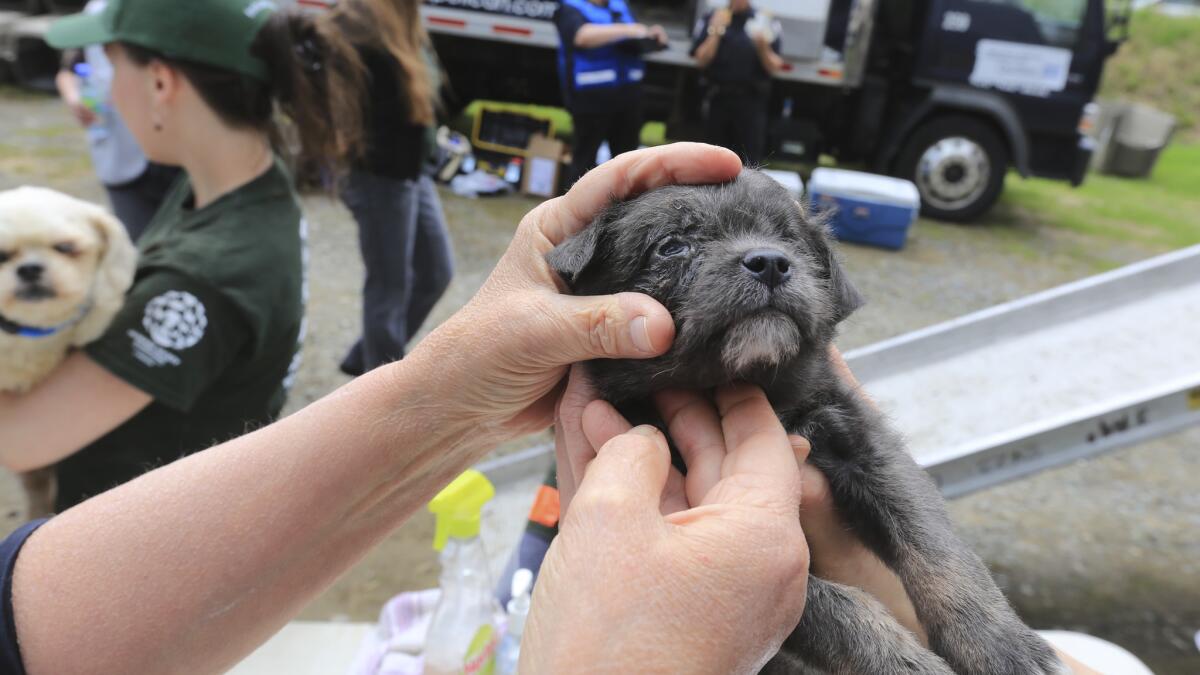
(4, 256)
(66, 248)
(673, 247)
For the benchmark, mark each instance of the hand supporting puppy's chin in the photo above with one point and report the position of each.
(764, 340)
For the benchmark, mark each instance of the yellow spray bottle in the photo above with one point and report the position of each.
(462, 634)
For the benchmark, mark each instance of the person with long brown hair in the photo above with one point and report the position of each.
(402, 231)
(208, 340)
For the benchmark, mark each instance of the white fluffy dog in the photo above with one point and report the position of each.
(65, 265)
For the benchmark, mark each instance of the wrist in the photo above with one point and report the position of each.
(716, 31)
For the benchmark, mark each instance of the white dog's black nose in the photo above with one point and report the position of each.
(30, 272)
(768, 265)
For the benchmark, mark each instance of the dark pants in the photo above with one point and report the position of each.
(135, 203)
(621, 129)
(408, 258)
(739, 122)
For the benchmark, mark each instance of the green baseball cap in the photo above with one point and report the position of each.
(210, 32)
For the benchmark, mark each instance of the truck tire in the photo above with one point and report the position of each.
(958, 164)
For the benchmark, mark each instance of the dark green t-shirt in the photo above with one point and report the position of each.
(211, 329)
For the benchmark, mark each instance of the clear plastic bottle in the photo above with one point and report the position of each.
(509, 652)
(462, 635)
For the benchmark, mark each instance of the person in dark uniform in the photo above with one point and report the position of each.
(738, 51)
(600, 71)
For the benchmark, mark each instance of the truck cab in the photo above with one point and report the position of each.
(993, 84)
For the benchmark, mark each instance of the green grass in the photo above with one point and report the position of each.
(1162, 211)
(1160, 66)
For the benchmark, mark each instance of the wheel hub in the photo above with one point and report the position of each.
(953, 172)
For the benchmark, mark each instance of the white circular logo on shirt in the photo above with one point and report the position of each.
(175, 319)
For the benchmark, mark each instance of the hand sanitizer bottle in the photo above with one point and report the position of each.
(462, 635)
(518, 610)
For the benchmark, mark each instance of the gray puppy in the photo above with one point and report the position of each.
(757, 293)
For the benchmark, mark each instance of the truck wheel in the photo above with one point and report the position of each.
(958, 165)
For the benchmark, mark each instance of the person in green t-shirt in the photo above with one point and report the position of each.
(208, 340)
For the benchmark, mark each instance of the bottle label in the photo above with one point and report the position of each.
(481, 654)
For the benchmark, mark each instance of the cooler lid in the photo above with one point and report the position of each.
(864, 186)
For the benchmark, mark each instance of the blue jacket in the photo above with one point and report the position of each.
(602, 67)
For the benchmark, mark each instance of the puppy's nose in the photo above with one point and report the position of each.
(30, 272)
(768, 265)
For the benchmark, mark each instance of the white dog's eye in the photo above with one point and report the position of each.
(673, 247)
(66, 248)
(4, 256)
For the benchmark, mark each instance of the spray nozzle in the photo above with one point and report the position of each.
(458, 507)
(518, 607)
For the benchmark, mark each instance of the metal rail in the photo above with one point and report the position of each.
(1072, 372)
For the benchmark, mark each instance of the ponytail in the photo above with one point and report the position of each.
(315, 79)
(319, 86)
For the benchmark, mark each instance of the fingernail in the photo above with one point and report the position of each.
(640, 332)
(644, 430)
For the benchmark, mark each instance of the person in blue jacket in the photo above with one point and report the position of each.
(600, 71)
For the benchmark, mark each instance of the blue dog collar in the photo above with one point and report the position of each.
(34, 332)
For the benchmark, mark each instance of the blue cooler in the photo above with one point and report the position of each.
(865, 208)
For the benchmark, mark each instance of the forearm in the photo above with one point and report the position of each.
(195, 564)
(67, 84)
(594, 35)
(771, 62)
(707, 50)
(32, 433)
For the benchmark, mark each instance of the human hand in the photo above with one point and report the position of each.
(689, 420)
(837, 554)
(82, 114)
(497, 365)
(714, 587)
(659, 34)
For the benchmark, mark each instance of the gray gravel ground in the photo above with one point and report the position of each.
(1108, 546)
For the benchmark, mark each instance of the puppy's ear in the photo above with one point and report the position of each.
(570, 258)
(114, 273)
(846, 297)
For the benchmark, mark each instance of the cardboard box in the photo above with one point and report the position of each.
(543, 159)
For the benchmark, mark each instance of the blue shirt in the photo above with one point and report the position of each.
(605, 100)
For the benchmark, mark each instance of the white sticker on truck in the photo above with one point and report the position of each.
(1023, 68)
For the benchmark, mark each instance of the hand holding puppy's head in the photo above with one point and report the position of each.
(749, 277)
